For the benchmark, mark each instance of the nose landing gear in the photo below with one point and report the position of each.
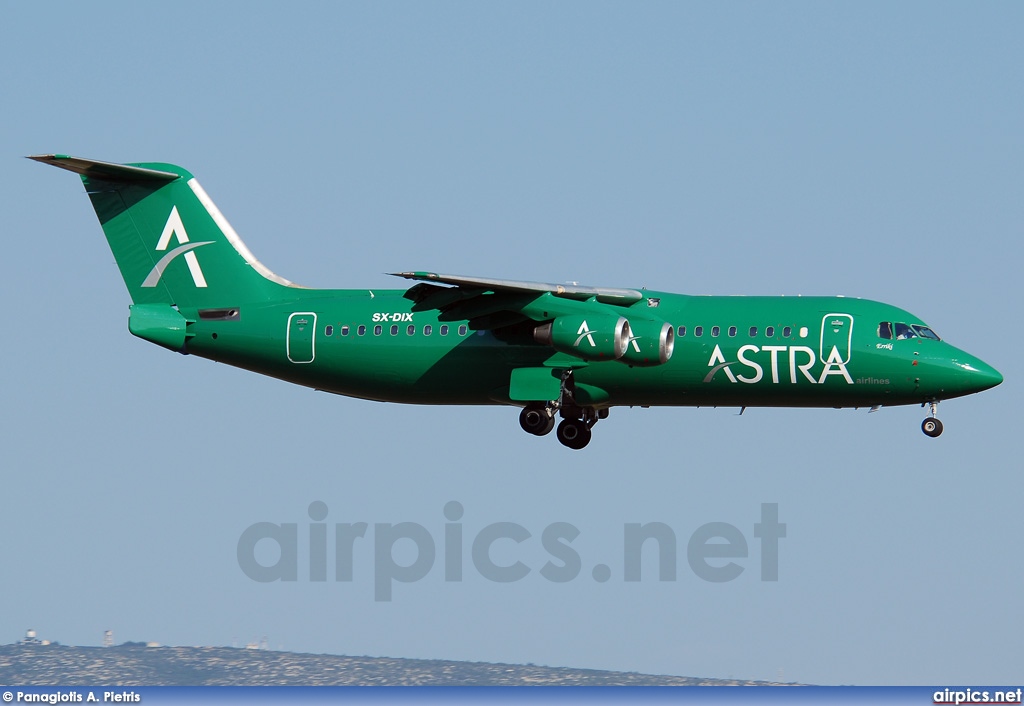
(931, 426)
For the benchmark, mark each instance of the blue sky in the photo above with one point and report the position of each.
(868, 149)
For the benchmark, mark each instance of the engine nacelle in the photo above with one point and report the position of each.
(590, 337)
(651, 343)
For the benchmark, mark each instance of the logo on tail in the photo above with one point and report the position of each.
(175, 227)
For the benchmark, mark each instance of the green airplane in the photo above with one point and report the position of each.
(555, 351)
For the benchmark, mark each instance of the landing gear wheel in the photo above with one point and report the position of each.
(573, 433)
(931, 427)
(536, 420)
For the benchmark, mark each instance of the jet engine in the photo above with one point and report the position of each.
(591, 337)
(651, 343)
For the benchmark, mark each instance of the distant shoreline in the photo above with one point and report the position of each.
(135, 664)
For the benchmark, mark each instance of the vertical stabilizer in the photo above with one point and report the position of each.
(172, 245)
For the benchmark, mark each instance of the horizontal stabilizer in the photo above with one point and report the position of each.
(104, 170)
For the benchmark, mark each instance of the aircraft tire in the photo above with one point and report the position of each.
(573, 433)
(536, 421)
(931, 427)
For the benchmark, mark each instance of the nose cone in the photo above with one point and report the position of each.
(979, 376)
(948, 372)
(966, 375)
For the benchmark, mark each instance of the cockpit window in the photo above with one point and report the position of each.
(885, 330)
(904, 332)
(925, 332)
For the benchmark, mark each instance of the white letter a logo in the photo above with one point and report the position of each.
(175, 227)
(584, 332)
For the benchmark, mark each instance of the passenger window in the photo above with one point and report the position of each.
(715, 330)
(732, 331)
(904, 332)
(410, 329)
(682, 330)
(344, 330)
(361, 331)
(753, 331)
(770, 332)
(377, 330)
(444, 329)
(394, 330)
(427, 329)
(462, 330)
(787, 331)
(328, 330)
(698, 331)
(885, 330)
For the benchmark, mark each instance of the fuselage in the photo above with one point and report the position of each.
(563, 351)
(736, 350)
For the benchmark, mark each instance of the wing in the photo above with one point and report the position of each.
(589, 324)
(605, 295)
(494, 303)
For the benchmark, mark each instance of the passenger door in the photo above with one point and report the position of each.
(300, 345)
(836, 333)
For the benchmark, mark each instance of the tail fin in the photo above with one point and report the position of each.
(172, 245)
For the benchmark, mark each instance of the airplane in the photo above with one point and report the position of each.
(556, 351)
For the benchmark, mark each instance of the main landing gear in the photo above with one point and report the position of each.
(931, 426)
(537, 419)
(573, 431)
